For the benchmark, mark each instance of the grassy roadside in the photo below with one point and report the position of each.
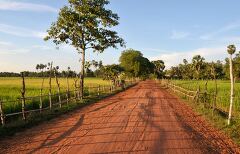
(36, 119)
(217, 119)
(223, 92)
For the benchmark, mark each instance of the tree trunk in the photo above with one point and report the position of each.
(41, 92)
(68, 91)
(82, 74)
(23, 91)
(232, 89)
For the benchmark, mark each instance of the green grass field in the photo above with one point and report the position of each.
(10, 88)
(10, 91)
(223, 95)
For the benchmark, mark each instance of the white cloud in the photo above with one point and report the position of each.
(173, 58)
(21, 6)
(42, 47)
(22, 32)
(15, 58)
(212, 35)
(3, 43)
(7, 48)
(179, 35)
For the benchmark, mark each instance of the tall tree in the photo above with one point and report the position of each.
(143, 67)
(231, 49)
(128, 60)
(186, 70)
(86, 24)
(197, 65)
(159, 67)
(135, 64)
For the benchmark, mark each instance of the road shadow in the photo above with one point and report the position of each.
(158, 146)
(61, 137)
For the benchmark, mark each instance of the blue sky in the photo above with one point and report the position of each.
(162, 29)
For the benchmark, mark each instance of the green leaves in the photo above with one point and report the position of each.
(159, 67)
(111, 72)
(135, 64)
(231, 49)
(85, 24)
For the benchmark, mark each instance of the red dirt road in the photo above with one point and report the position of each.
(143, 119)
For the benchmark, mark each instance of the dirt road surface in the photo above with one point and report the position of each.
(143, 119)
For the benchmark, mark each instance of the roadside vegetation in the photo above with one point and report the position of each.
(223, 91)
(216, 114)
(217, 86)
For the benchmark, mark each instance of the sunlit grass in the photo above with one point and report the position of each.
(10, 88)
(223, 92)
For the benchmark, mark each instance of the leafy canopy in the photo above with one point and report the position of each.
(129, 58)
(159, 67)
(231, 49)
(135, 64)
(86, 24)
(112, 72)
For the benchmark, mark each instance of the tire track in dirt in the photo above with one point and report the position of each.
(143, 119)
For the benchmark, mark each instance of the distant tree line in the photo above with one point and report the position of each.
(36, 74)
(199, 68)
(9, 74)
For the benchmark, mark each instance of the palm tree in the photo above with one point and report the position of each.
(197, 64)
(231, 49)
(37, 67)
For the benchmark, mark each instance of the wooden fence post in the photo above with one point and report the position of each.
(50, 86)
(215, 95)
(198, 94)
(23, 96)
(58, 85)
(103, 88)
(67, 96)
(98, 90)
(41, 91)
(75, 90)
(41, 103)
(2, 113)
(68, 89)
(205, 94)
